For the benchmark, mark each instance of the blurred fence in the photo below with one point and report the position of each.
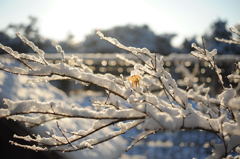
(109, 63)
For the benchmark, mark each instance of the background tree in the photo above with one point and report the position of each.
(131, 35)
(186, 45)
(164, 44)
(219, 29)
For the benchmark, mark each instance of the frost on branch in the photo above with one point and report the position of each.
(208, 56)
(131, 101)
(231, 41)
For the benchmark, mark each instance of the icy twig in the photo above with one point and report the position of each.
(33, 46)
(140, 137)
(207, 56)
(15, 55)
(60, 50)
(231, 41)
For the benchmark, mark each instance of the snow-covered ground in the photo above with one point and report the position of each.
(177, 145)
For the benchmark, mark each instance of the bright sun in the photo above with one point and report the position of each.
(81, 17)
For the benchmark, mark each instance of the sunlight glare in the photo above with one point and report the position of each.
(82, 17)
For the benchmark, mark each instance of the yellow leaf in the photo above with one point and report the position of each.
(134, 80)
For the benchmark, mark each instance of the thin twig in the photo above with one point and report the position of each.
(101, 140)
(213, 65)
(140, 137)
(65, 136)
(9, 51)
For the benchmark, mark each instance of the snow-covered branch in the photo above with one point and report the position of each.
(231, 41)
(130, 101)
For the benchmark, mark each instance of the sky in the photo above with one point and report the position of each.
(57, 18)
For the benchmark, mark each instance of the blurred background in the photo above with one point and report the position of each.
(161, 26)
(164, 27)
